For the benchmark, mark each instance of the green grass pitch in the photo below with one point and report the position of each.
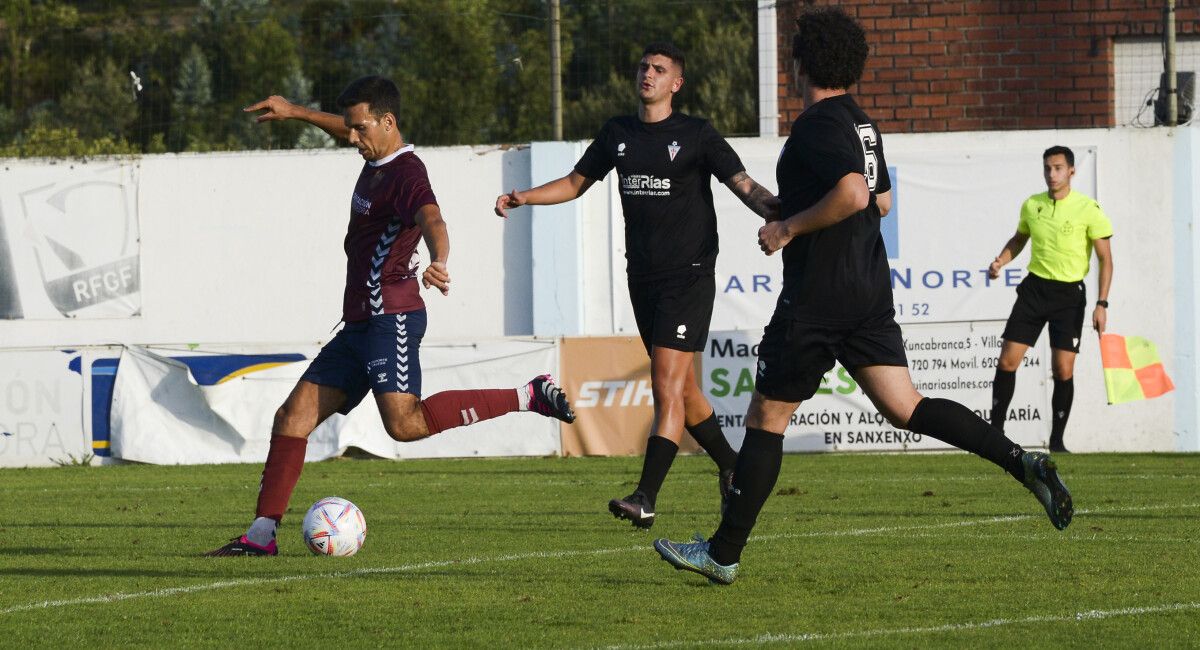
(914, 550)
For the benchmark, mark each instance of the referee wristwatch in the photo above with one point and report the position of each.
(1102, 303)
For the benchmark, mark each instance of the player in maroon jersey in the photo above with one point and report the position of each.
(378, 350)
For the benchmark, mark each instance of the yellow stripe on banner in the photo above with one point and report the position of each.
(249, 369)
(99, 444)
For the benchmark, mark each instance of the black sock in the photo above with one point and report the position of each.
(754, 477)
(1003, 387)
(660, 453)
(712, 440)
(1060, 405)
(956, 424)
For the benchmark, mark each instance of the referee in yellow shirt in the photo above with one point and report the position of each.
(1065, 226)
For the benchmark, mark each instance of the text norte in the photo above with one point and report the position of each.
(902, 278)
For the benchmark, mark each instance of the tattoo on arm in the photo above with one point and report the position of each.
(755, 196)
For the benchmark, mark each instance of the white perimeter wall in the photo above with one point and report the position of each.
(247, 249)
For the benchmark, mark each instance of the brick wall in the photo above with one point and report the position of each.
(986, 64)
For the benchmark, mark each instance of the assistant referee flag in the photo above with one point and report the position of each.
(1132, 369)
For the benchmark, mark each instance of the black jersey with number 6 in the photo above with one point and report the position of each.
(839, 273)
(663, 169)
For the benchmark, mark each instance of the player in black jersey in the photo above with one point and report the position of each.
(836, 302)
(663, 161)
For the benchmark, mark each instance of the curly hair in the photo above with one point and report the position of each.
(831, 46)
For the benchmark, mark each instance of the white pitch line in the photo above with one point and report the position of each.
(190, 589)
(1089, 615)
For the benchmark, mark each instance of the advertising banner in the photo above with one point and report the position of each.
(219, 408)
(952, 213)
(41, 401)
(69, 241)
(608, 381)
(951, 360)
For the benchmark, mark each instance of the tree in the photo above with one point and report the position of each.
(470, 71)
(101, 101)
(192, 99)
(722, 62)
(26, 25)
(65, 142)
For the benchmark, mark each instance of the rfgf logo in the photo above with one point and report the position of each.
(594, 394)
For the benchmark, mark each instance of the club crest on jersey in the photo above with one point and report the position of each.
(621, 149)
(673, 149)
(359, 204)
(376, 179)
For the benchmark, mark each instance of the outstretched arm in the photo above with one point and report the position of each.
(278, 108)
(846, 198)
(1011, 250)
(437, 240)
(1104, 254)
(755, 196)
(567, 188)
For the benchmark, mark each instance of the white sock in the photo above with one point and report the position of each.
(262, 531)
(523, 398)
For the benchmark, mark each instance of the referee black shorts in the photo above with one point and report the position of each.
(674, 312)
(795, 355)
(1041, 301)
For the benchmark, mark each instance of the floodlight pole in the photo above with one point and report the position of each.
(556, 113)
(1172, 91)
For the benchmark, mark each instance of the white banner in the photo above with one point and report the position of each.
(69, 241)
(952, 213)
(952, 360)
(161, 415)
(40, 409)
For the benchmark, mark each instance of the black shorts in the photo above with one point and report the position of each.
(674, 312)
(795, 355)
(1041, 301)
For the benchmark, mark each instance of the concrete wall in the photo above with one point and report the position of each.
(246, 249)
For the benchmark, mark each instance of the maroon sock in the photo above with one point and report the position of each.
(284, 462)
(456, 408)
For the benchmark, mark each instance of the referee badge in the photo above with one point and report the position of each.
(673, 149)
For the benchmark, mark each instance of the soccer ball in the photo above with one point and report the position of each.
(334, 526)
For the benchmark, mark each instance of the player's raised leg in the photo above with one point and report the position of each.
(407, 418)
(396, 380)
(891, 391)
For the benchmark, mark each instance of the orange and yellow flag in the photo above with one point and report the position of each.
(1132, 369)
